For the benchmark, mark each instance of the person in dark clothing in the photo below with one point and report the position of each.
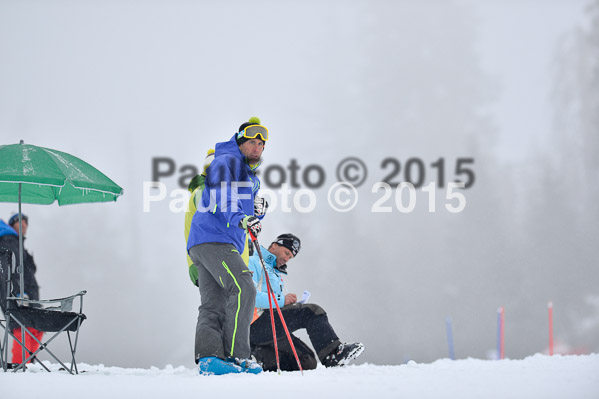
(9, 238)
(329, 349)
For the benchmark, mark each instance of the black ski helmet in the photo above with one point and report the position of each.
(289, 241)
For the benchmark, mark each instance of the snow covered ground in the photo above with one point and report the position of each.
(537, 376)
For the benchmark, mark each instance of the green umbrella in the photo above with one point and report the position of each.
(38, 175)
(48, 175)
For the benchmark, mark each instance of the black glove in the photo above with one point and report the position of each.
(252, 224)
(260, 206)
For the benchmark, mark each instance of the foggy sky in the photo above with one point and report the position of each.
(118, 83)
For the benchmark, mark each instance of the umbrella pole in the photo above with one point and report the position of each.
(21, 269)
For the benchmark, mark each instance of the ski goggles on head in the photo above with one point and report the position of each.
(253, 131)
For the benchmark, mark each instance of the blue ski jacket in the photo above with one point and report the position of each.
(7, 230)
(228, 196)
(276, 279)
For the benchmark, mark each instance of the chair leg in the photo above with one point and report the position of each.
(2, 352)
(5, 345)
(43, 346)
(32, 355)
(73, 361)
(74, 349)
(23, 346)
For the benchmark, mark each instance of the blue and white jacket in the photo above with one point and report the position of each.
(219, 213)
(276, 280)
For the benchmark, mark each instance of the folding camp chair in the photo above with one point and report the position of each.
(50, 316)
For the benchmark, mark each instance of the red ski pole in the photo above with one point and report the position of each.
(269, 289)
(272, 295)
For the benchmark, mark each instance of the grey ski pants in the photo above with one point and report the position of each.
(228, 298)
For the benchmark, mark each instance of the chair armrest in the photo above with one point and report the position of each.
(64, 304)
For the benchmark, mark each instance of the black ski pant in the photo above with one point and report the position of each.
(297, 316)
(228, 298)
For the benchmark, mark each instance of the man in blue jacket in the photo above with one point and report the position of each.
(329, 349)
(217, 238)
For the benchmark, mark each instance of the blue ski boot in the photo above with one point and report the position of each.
(215, 366)
(248, 365)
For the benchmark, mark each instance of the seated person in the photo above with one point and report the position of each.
(9, 238)
(330, 350)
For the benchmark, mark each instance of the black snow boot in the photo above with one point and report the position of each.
(343, 354)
